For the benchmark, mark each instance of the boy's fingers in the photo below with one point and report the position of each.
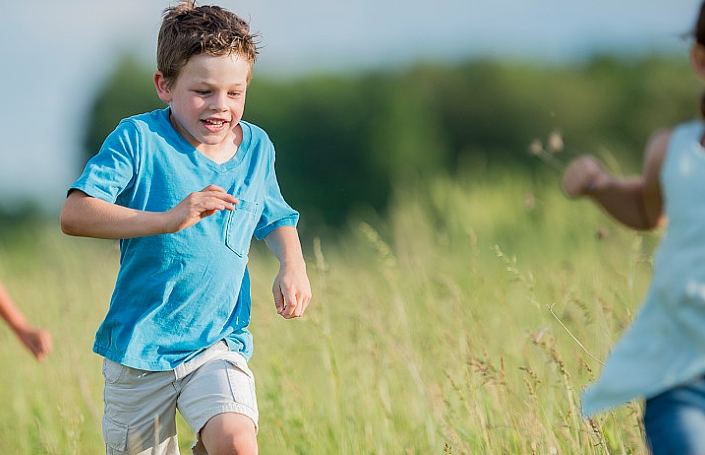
(295, 307)
(278, 300)
(220, 193)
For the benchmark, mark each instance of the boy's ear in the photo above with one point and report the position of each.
(162, 87)
(697, 59)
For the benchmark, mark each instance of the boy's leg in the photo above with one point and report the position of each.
(140, 411)
(218, 401)
(229, 433)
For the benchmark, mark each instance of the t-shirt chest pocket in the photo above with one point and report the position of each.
(240, 227)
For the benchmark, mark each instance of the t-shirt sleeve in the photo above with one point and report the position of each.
(112, 169)
(276, 211)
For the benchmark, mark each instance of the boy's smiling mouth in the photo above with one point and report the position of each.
(214, 124)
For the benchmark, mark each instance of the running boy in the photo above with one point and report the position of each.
(185, 189)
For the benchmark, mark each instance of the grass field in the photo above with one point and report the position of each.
(467, 321)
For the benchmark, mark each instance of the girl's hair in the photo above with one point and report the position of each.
(189, 30)
(699, 32)
(699, 35)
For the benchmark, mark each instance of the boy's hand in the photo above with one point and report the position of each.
(583, 176)
(292, 291)
(199, 205)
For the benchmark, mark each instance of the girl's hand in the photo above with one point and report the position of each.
(583, 176)
(38, 341)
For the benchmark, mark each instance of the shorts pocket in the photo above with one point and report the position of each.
(240, 227)
(115, 436)
(237, 361)
(113, 372)
(242, 385)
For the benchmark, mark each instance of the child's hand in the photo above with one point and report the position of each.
(199, 205)
(583, 176)
(38, 341)
(292, 291)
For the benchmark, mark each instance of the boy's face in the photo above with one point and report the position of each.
(207, 99)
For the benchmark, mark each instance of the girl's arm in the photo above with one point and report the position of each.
(291, 289)
(86, 216)
(636, 202)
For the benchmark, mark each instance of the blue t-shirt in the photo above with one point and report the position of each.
(176, 294)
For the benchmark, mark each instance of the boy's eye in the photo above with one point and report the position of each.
(202, 92)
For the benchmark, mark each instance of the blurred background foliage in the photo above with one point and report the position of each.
(345, 143)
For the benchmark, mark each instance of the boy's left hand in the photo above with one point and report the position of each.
(292, 291)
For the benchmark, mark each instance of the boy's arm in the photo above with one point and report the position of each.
(636, 202)
(83, 215)
(291, 289)
(38, 341)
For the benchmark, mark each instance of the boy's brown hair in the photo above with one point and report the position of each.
(189, 30)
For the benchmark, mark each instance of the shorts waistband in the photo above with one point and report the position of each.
(208, 354)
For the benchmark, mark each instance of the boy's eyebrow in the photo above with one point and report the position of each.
(210, 83)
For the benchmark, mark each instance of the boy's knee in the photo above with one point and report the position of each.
(229, 434)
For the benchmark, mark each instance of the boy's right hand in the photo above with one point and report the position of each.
(199, 205)
(583, 176)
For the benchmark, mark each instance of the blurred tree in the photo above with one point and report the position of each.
(22, 214)
(320, 129)
(407, 137)
(128, 91)
(343, 142)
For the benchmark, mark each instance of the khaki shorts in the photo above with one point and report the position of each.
(140, 406)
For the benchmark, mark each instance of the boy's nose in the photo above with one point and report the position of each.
(219, 102)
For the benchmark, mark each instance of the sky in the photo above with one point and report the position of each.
(55, 54)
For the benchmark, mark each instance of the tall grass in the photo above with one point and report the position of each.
(467, 321)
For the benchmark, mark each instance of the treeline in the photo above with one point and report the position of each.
(345, 141)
